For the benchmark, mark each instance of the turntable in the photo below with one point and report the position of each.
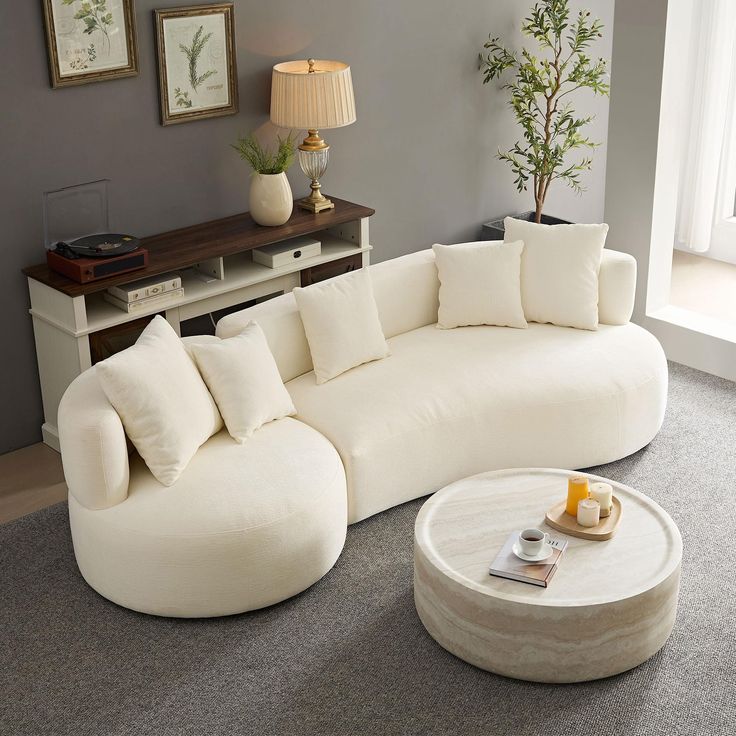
(97, 257)
(78, 244)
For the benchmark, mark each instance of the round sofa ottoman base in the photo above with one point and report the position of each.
(246, 526)
(203, 577)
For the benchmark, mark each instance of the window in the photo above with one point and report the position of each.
(707, 192)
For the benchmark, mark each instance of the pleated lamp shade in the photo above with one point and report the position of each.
(318, 100)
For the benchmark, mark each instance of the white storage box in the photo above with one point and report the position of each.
(146, 288)
(281, 254)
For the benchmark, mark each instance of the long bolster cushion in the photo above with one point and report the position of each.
(94, 449)
(616, 287)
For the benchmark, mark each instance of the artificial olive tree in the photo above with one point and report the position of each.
(540, 87)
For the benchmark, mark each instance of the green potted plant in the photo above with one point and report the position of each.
(271, 201)
(539, 87)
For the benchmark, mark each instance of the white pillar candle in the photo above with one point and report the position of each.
(603, 493)
(589, 512)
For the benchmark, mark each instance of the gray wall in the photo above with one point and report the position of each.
(421, 152)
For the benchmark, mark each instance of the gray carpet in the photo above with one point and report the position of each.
(349, 656)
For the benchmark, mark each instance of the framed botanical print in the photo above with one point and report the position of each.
(197, 69)
(90, 40)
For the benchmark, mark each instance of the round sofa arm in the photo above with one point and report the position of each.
(94, 449)
(616, 287)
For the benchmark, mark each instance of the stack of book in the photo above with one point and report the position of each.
(508, 565)
(142, 296)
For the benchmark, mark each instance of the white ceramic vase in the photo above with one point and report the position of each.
(271, 201)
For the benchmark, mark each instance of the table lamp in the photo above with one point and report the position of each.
(312, 95)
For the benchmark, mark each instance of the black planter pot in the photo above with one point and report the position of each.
(494, 230)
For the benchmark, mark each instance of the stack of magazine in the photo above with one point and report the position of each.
(508, 565)
(142, 296)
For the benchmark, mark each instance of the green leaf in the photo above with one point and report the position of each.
(538, 82)
(265, 161)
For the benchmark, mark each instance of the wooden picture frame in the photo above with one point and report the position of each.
(90, 40)
(197, 68)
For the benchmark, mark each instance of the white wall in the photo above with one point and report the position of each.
(641, 178)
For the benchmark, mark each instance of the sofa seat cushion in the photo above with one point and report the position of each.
(451, 403)
(245, 526)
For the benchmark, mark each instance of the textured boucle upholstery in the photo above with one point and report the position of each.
(451, 403)
(245, 526)
(249, 525)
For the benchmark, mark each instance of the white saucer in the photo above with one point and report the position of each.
(543, 555)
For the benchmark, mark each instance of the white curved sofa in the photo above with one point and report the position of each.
(249, 525)
(451, 403)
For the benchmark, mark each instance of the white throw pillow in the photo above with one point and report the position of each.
(480, 284)
(559, 271)
(341, 322)
(242, 375)
(162, 401)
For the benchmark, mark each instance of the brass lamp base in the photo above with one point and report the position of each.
(313, 158)
(316, 204)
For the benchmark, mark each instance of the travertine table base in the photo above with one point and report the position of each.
(610, 606)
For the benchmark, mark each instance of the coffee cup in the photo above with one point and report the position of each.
(532, 541)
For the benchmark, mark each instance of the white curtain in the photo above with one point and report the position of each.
(708, 175)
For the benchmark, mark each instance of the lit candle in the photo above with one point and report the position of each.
(603, 493)
(577, 490)
(589, 512)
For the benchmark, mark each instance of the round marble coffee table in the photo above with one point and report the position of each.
(610, 606)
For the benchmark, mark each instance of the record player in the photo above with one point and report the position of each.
(96, 257)
(82, 210)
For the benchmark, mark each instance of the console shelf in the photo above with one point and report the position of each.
(67, 314)
(240, 273)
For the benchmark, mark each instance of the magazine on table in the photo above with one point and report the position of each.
(508, 565)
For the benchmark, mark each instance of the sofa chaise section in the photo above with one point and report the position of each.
(244, 527)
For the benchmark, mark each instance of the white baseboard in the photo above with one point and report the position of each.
(695, 340)
(50, 436)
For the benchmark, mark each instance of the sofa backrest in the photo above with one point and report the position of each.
(280, 321)
(406, 291)
(407, 295)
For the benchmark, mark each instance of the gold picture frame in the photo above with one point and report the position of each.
(90, 40)
(197, 68)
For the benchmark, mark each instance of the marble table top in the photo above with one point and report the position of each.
(463, 526)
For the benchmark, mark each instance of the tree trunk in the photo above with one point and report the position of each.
(539, 200)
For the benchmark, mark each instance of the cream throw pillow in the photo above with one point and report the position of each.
(559, 271)
(242, 375)
(341, 322)
(162, 401)
(480, 284)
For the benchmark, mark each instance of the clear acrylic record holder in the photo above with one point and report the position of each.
(74, 212)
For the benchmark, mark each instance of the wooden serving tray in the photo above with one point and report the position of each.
(560, 520)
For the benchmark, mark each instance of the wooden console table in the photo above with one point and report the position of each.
(65, 314)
